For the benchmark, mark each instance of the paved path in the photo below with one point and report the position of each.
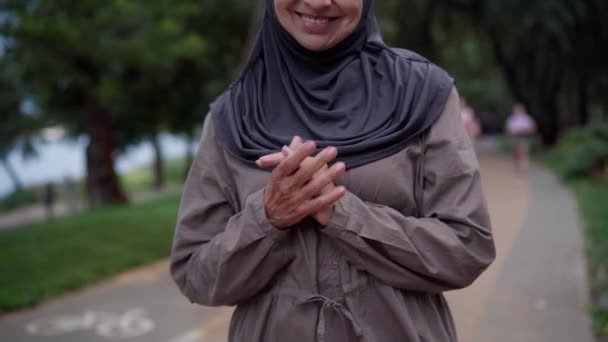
(140, 306)
(536, 291)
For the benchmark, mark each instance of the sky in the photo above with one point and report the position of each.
(66, 158)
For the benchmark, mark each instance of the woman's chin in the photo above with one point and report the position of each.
(316, 43)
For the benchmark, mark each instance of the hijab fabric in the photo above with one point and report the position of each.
(361, 96)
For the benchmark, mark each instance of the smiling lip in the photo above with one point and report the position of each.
(314, 24)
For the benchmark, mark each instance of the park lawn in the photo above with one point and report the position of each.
(46, 259)
(593, 203)
(142, 178)
(592, 199)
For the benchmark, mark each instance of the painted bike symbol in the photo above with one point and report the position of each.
(132, 323)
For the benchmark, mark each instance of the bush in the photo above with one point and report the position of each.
(18, 199)
(584, 151)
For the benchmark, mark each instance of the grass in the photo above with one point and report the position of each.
(20, 198)
(592, 198)
(137, 180)
(143, 178)
(50, 258)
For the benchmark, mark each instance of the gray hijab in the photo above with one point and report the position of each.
(361, 96)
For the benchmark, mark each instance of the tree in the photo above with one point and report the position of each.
(124, 71)
(547, 51)
(17, 129)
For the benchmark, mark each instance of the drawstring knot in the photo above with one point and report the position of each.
(328, 303)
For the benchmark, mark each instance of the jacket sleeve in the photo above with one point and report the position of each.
(221, 255)
(449, 245)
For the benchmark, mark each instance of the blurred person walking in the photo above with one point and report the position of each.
(470, 120)
(336, 194)
(71, 196)
(48, 198)
(521, 127)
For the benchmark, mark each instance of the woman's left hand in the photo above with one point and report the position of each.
(271, 160)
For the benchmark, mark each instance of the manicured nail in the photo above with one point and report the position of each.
(333, 151)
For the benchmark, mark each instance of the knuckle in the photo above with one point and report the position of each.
(326, 178)
(285, 188)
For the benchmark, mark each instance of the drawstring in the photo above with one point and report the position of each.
(330, 304)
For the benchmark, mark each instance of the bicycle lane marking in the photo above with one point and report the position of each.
(132, 323)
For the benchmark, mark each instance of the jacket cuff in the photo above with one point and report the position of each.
(341, 216)
(256, 202)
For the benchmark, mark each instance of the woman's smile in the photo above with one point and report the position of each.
(315, 24)
(319, 24)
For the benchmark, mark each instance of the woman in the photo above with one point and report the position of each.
(471, 123)
(521, 128)
(353, 231)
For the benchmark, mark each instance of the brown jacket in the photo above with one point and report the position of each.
(410, 226)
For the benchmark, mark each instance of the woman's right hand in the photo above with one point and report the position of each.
(295, 188)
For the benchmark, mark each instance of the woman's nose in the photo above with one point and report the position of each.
(318, 4)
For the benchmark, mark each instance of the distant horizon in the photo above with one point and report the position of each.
(62, 158)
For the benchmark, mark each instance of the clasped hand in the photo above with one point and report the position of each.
(301, 185)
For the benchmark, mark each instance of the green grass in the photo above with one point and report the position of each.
(592, 198)
(20, 198)
(143, 178)
(137, 180)
(593, 202)
(47, 259)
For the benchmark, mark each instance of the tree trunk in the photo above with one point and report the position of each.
(548, 125)
(583, 101)
(101, 181)
(159, 172)
(12, 174)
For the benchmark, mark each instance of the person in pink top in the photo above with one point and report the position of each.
(521, 127)
(471, 123)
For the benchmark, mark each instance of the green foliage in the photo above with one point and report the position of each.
(50, 258)
(18, 199)
(600, 321)
(593, 202)
(584, 151)
(449, 37)
(121, 71)
(143, 178)
(17, 128)
(593, 199)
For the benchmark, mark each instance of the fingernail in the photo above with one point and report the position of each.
(331, 152)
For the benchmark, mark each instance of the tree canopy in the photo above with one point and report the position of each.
(122, 71)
